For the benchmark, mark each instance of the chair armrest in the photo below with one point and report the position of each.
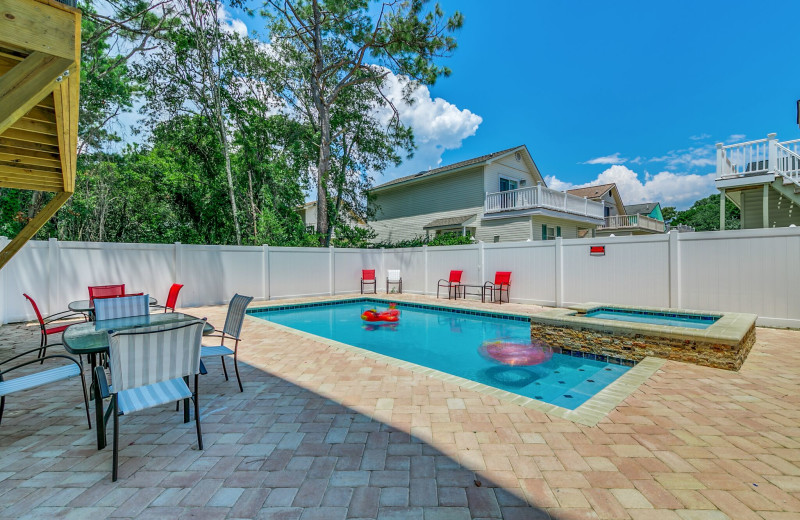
(488, 285)
(40, 360)
(102, 382)
(62, 316)
(220, 335)
(28, 352)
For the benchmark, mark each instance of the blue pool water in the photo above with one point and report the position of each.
(448, 341)
(692, 321)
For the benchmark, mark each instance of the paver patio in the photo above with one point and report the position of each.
(324, 433)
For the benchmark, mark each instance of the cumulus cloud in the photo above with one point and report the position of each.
(668, 188)
(438, 126)
(230, 23)
(692, 157)
(607, 159)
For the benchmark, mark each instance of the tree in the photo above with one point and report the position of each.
(327, 43)
(668, 213)
(704, 215)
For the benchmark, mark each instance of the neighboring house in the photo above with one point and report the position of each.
(606, 193)
(762, 178)
(648, 209)
(638, 219)
(497, 197)
(308, 212)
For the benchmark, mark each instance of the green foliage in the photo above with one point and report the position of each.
(444, 239)
(704, 215)
(668, 213)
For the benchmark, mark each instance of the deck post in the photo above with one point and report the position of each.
(765, 206)
(722, 209)
(3, 242)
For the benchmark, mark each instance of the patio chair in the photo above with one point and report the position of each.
(231, 330)
(170, 355)
(44, 321)
(42, 377)
(105, 291)
(393, 277)
(368, 278)
(121, 307)
(501, 284)
(452, 282)
(172, 297)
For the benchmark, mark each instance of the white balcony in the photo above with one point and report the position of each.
(632, 223)
(760, 157)
(539, 197)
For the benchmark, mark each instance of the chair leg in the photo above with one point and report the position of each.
(115, 455)
(224, 370)
(236, 368)
(186, 403)
(86, 400)
(197, 412)
(2, 407)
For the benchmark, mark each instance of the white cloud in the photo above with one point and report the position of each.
(438, 126)
(229, 23)
(700, 137)
(607, 159)
(668, 188)
(692, 157)
(736, 138)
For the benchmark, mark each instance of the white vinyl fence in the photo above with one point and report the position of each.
(755, 271)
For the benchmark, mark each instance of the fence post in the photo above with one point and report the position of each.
(178, 260)
(383, 267)
(559, 273)
(265, 266)
(53, 275)
(674, 270)
(482, 260)
(3, 242)
(425, 267)
(331, 272)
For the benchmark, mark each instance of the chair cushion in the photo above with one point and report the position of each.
(143, 397)
(219, 350)
(56, 330)
(39, 378)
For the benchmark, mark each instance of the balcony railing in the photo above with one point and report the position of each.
(545, 198)
(763, 156)
(632, 222)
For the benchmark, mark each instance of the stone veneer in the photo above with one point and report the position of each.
(725, 346)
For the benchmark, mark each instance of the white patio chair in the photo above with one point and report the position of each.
(393, 278)
(151, 366)
(231, 330)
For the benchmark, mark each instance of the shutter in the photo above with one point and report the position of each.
(544, 232)
(558, 231)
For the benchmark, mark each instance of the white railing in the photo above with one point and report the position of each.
(763, 156)
(541, 197)
(632, 222)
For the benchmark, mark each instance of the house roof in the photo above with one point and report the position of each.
(591, 192)
(425, 174)
(448, 221)
(641, 209)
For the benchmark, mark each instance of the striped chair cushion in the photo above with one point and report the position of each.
(38, 379)
(219, 350)
(235, 317)
(143, 397)
(123, 307)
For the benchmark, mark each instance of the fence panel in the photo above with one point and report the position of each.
(441, 260)
(302, 271)
(348, 264)
(532, 266)
(28, 272)
(411, 263)
(213, 274)
(633, 271)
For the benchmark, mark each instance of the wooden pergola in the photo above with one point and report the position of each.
(40, 48)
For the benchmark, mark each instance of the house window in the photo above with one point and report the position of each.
(550, 232)
(496, 239)
(507, 184)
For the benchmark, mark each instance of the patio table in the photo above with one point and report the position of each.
(91, 338)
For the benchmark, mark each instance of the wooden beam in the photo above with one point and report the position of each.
(27, 145)
(23, 87)
(30, 137)
(39, 27)
(39, 113)
(33, 226)
(21, 160)
(65, 98)
(38, 127)
(31, 186)
(23, 155)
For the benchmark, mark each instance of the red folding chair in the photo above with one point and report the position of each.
(453, 282)
(44, 321)
(105, 291)
(502, 283)
(368, 278)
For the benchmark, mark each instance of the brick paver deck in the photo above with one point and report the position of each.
(322, 433)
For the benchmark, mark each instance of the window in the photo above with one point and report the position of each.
(550, 232)
(507, 184)
(496, 239)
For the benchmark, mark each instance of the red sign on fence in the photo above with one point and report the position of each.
(597, 250)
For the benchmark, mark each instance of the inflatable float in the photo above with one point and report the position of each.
(392, 315)
(515, 353)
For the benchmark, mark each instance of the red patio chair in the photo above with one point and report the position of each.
(172, 297)
(44, 321)
(105, 291)
(368, 278)
(453, 282)
(502, 283)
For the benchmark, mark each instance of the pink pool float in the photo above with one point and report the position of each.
(516, 353)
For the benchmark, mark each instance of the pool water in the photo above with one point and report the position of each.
(692, 321)
(448, 341)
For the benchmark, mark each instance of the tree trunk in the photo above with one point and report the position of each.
(323, 113)
(227, 154)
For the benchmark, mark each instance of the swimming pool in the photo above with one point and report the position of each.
(448, 341)
(672, 319)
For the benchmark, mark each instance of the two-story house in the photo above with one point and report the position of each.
(497, 197)
(762, 178)
(619, 219)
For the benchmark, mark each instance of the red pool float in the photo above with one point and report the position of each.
(392, 315)
(516, 353)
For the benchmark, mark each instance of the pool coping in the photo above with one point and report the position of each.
(588, 414)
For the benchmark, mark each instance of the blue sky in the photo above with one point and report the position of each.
(631, 92)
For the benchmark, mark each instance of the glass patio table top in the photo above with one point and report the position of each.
(88, 306)
(91, 337)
